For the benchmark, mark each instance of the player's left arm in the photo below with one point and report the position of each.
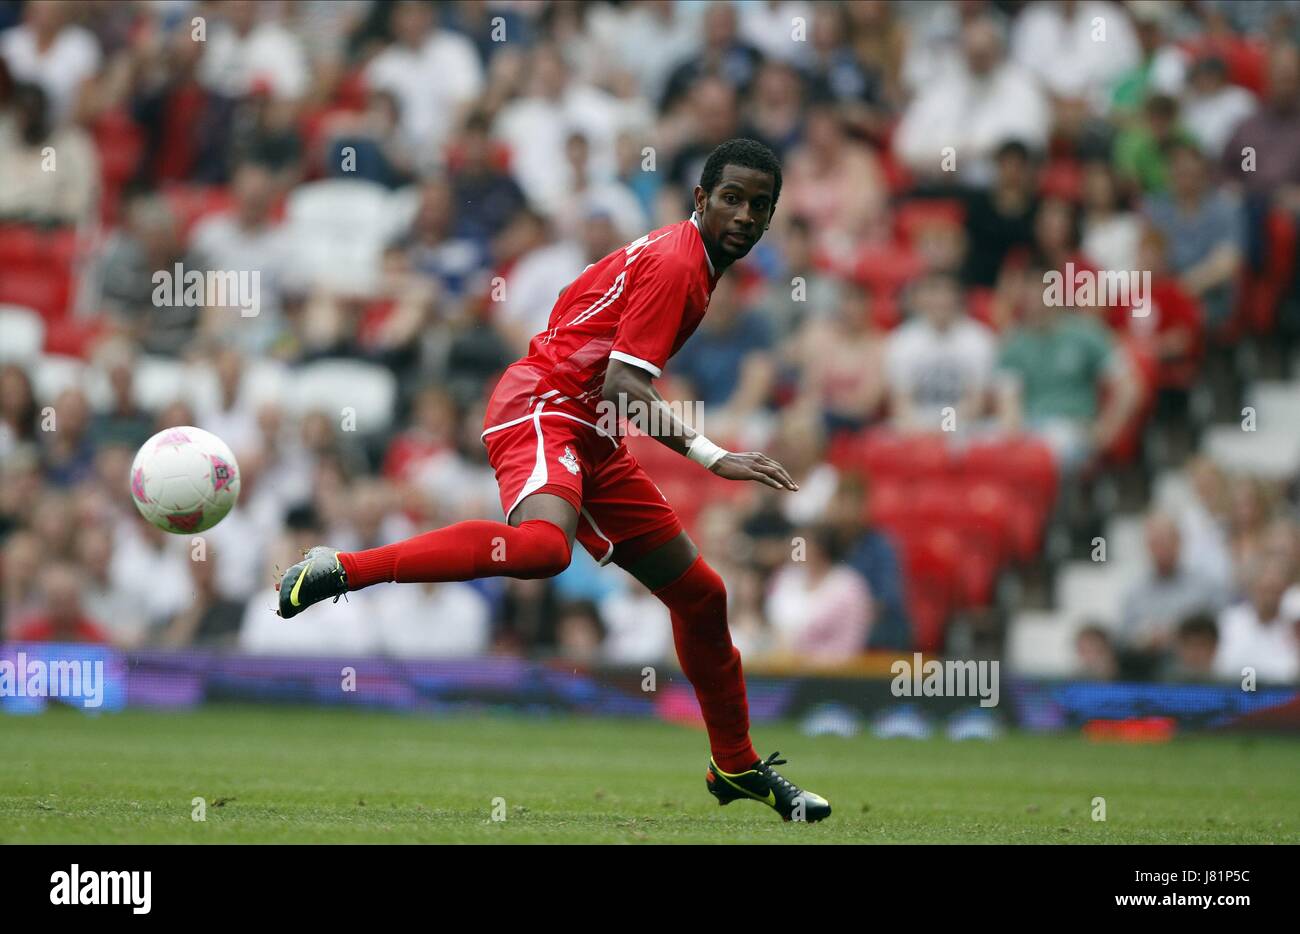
(629, 383)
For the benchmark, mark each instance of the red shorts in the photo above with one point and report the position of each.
(540, 444)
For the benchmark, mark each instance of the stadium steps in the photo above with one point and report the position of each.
(1041, 643)
(1272, 450)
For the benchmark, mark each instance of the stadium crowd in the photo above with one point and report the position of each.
(414, 184)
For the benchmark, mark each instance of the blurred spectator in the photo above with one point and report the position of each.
(210, 620)
(1000, 221)
(1260, 633)
(244, 55)
(537, 126)
(159, 321)
(820, 609)
(836, 183)
(725, 54)
(431, 620)
(589, 194)
(1142, 149)
(1213, 108)
(60, 616)
(433, 73)
(1095, 654)
(777, 112)
(802, 291)
(165, 590)
(1075, 47)
(1162, 67)
(187, 125)
(68, 450)
(248, 239)
(436, 251)
(728, 361)
(840, 357)
(939, 360)
(18, 410)
(479, 177)
(124, 422)
(1205, 232)
(579, 632)
(872, 553)
(52, 52)
(1195, 645)
(370, 145)
(231, 416)
(20, 563)
(50, 170)
(973, 108)
(1111, 231)
(1167, 594)
(1055, 363)
(1272, 134)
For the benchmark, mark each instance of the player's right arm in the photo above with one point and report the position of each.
(626, 383)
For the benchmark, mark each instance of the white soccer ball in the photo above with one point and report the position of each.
(184, 480)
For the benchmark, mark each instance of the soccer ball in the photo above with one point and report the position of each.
(184, 480)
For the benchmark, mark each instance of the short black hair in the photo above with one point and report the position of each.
(746, 153)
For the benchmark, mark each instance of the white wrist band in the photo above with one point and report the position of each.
(704, 452)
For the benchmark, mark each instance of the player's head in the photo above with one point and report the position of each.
(736, 196)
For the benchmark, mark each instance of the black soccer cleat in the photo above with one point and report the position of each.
(318, 575)
(764, 784)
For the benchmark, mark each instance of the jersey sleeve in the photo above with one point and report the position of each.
(656, 303)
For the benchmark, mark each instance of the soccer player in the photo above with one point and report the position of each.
(562, 474)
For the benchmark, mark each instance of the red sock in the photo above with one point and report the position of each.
(698, 602)
(461, 552)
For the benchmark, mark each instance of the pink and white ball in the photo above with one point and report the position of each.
(184, 480)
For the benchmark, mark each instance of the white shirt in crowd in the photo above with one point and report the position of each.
(1112, 243)
(60, 70)
(449, 620)
(1079, 56)
(233, 65)
(1269, 646)
(973, 116)
(827, 620)
(343, 628)
(938, 368)
(1212, 118)
(430, 84)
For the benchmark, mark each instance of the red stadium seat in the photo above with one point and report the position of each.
(45, 287)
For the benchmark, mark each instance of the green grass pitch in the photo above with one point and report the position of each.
(289, 774)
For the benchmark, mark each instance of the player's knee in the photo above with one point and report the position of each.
(545, 550)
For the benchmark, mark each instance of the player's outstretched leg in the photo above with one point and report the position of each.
(538, 545)
(697, 602)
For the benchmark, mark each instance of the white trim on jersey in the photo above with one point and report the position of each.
(537, 479)
(636, 362)
(696, 221)
(609, 552)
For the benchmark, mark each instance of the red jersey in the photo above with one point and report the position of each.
(639, 304)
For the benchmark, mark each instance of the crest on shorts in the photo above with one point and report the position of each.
(568, 461)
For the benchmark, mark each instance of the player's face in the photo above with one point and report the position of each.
(734, 215)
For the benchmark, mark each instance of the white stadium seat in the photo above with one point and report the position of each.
(53, 373)
(333, 386)
(339, 228)
(22, 334)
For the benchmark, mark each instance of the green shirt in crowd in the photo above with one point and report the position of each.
(1059, 367)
